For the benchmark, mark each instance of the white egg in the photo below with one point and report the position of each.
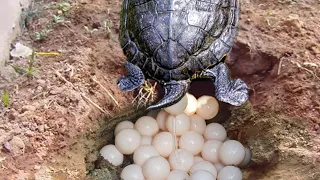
(147, 126)
(123, 125)
(112, 155)
(181, 159)
(192, 142)
(207, 107)
(204, 165)
(178, 124)
(230, 173)
(198, 159)
(192, 105)
(178, 175)
(218, 166)
(210, 151)
(215, 131)
(198, 124)
(179, 107)
(156, 168)
(164, 143)
(247, 158)
(132, 172)
(231, 152)
(162, 119)
(146, 140)
(202, 175)
(143, 153)
(127, 141)
(153, 113)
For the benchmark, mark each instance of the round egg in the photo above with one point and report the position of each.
(178, 124)
(192, 142)
(123, 125)
(162, 119)
(192, 105)
(156, 168)
(231, 152)
(179, 107)
(147, 126)
(215, 131)
(178, 175)
(181, 159)
(207, 107)
(218, 166)
(127, 141)
(230, 173)
(143, 153)
(112, 155)
(247, 158)
(204, 165)
(146, 140)
(164, 143)
(210, 151)
(132, 172)
(198, 124)
(202, 175)
(198, 159)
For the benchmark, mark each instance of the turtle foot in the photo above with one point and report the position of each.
(174, 92)
(134, 79)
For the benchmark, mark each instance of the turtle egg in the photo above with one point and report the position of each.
(161, 119)
(178, 175)
(198, 124)
(247, 158)
(230, 173)
(218, 166)
(143, 153)
(179, 107)
(127, 141)
(123, 125)
(164, 143)
(153, 113)
(178, 124)
(132, 172)
(215, 131)
(210, 151)
(112, 155)
(192, 142)
(146, 140)
(156, 168)
(202, 175)
(197, 159)
(181, 159)
(192, 105)
(147, 126)
(207, 107)
(204, 165)
(231, 152)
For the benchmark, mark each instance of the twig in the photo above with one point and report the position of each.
(96, 81)
(279, 68)
(97, 106)
(62, 78)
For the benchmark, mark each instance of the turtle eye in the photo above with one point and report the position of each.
(185, 71)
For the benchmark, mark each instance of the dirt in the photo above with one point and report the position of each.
(60, 115)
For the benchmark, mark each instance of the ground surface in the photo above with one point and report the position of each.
(53, 126)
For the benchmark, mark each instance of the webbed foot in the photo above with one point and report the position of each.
(234, 92)
(134, 79)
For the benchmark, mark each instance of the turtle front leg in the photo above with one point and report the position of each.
(134, 79)
(234, 92)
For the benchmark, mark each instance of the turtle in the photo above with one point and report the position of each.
(177, 41)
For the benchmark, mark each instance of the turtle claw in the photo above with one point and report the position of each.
(174, 92)
(134, 79)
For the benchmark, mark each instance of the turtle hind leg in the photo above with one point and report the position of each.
(134, 79)
(173, 92)
(234, 92)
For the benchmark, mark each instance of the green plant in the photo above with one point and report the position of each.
(64, 6)
(38, 36)
(30, 71)
(107, 25)
(5, 98)
(57, 18)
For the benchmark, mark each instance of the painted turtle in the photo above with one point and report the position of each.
(176, 41)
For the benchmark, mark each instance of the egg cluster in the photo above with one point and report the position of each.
(177, 144)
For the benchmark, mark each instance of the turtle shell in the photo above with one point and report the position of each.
(174, 39)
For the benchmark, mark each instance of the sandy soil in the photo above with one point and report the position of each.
(61, 115)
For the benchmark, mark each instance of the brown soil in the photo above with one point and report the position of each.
(53, 127)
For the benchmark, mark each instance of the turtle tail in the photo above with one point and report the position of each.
(173, 93)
